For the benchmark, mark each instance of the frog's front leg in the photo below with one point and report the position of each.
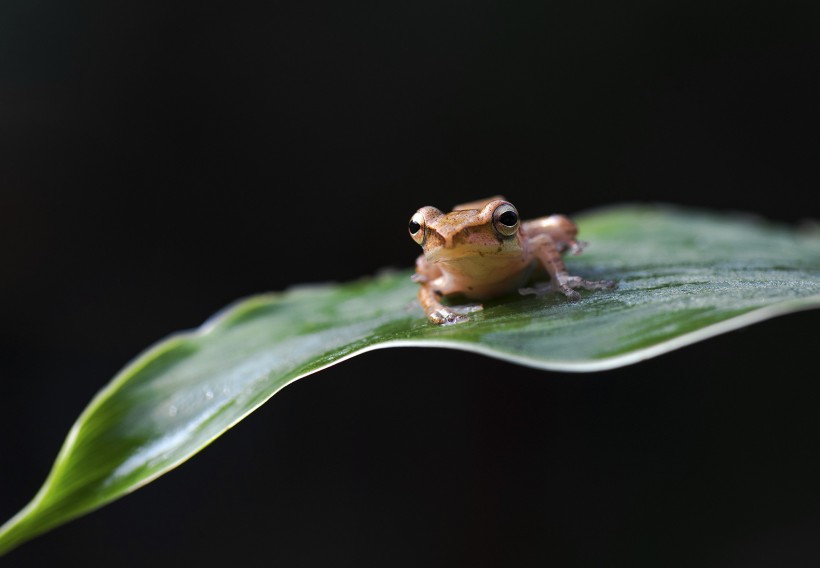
(440, 314)
(548, 254)
(432, 288)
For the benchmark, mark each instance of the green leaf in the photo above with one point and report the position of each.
(683, 276)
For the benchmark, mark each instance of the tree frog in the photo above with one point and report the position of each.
(482, 250)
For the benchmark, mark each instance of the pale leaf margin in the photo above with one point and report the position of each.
(17, 530)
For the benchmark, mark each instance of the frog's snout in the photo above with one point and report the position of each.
(446, 238)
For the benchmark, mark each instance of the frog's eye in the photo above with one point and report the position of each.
(416, 227)
(505, 220)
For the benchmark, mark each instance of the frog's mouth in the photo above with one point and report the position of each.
(483, 254)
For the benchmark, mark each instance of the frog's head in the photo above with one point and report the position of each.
(490, 230)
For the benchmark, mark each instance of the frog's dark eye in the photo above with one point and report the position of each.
(416, 227)
(508, 218)
(505, 220)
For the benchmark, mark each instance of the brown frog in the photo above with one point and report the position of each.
(483, 250)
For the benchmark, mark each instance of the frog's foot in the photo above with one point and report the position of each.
(541, 289)
(577, 247)
(566, 286)
(449, 315)
(420, 278)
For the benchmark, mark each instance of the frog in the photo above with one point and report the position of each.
(483, 250)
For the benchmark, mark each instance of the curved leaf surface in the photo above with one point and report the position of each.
(683, 276)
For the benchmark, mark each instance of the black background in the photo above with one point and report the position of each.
(159, 160)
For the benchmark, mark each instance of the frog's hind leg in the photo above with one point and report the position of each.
(440, 314)
(549, 255)
(559, 228)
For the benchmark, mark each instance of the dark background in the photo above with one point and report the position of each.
(159, 160)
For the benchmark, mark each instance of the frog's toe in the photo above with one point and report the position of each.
(467, 308)
(593, 284)
(445, 316)
(538, 289)
(572, 295)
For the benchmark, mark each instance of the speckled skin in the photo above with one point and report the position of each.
(471, 251)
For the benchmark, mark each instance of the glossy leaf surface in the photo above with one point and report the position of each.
(682, 276)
